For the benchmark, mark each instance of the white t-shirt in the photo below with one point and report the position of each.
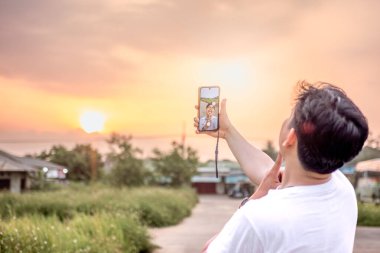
(307, 219)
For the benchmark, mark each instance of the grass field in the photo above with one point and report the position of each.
(89, 218)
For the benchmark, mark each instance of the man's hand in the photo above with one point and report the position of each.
(254, 162)
(224, 122)
(271, 180)
(204, 250)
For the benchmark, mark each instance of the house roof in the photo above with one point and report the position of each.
(212, 170)
(37, 163)
(205, 179)
(369, 165)
(11, 163)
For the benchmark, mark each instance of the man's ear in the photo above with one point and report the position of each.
(291, 138)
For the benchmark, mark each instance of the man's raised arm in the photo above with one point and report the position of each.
(254, 162)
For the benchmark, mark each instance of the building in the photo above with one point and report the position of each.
(15, 176)
(52, 171)
(18, 173)
(206, 182)
(231, 180)
(368, 181)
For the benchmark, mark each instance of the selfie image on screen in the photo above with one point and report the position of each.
(209, 108)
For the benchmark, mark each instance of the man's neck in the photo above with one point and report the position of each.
(296, 175)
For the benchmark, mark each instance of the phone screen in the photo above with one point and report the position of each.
(208, 108)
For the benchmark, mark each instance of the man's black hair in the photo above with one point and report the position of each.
(330, 128)
(209, 104)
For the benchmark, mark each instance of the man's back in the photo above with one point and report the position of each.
(317, 218)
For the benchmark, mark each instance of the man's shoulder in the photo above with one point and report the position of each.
(339, 176)
(342, 183)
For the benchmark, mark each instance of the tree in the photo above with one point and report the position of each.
(86, 164)
(83, 162)
(270, 150)
(178, 165)
(58, 154)
(127, 169)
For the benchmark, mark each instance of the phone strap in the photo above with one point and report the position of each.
(216, 155)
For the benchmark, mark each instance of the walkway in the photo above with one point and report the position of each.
(209, 217)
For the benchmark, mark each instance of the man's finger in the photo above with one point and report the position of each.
(196, 107)
(277, 165)
(196, 119)
(223, 109)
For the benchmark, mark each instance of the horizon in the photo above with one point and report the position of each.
(204, 146)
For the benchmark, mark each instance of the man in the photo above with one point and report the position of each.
(210, 121)
(313, 208)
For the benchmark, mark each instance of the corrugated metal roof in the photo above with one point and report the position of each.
(205, 179)
(11, 163)
(232, 179)
(37, 163)
(212, 169)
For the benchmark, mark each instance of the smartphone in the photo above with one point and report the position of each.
(208, 104)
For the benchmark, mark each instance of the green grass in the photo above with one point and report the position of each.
(369, 215)
(156, 206)
(98, 233)
(89, 219)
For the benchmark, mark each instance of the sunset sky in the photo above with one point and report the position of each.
(140, 63)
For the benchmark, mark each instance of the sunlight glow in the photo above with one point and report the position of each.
(226, 72)
(92, 121)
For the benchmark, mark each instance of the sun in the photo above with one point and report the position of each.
(92, 121)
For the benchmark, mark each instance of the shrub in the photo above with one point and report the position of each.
(369, 215)
(98, 233)
(163, 207)
(36, 203)
(155, 206)
(89, 218)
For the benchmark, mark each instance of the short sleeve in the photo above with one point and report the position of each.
(237, 236)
